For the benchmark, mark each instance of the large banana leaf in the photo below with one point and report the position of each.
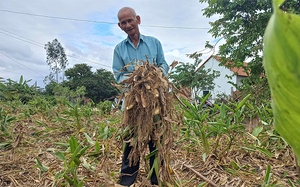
(282, 66)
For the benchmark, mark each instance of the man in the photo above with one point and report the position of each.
(134, 48)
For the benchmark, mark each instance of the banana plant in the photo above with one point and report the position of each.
(282, 66)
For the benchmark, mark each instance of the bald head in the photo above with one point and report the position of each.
(127, 10)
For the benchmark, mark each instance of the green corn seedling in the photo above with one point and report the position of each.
(74, 112)
(229, 123)
(4, 120)
(195, 118)
(282, 66)
(71, 162)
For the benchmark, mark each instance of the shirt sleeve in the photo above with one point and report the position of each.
(118, 65)
(161, 62)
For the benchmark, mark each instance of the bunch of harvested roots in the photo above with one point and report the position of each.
(149, 112)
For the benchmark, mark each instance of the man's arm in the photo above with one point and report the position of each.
(161, 62)
(118, 65)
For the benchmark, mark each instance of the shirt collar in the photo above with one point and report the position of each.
(142, 37)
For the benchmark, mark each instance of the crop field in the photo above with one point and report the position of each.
(65, 144)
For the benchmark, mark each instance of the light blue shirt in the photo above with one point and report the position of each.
(148, 48)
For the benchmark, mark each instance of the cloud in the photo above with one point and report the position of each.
(88, 31)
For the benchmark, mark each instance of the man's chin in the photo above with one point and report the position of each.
(132, 31)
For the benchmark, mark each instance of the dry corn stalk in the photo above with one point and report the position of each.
(149, 112)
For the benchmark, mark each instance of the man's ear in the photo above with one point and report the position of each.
(138, 18)
(119, 24)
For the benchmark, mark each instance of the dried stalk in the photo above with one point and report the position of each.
(201, 176)
(149, 111)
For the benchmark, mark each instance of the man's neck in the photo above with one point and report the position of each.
(135, 39)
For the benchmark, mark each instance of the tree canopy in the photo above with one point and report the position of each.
(98, 84)
(242, 24)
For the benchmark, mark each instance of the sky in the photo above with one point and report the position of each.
(88, 31)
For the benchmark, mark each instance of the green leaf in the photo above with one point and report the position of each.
(150, 173)
(77, 154)
(89, 139)
(248, 148)
(5, 145)
(254, 138)
(87, 165)
(202, 184)
(242, 103)
(38, 122)
(257, 130)
(264, 151)
(204, 156)
(249, 106)
(70, 181)
(267, 177)
(291, 183)
(235, 165)
(61, 156)
(282, 66)
(97, 147)
(57, 177)
(156, 167)
(41, 166)
(74, 158)
(21, 79)
(82, 151)
(73, 144)
(61, 144)
(154, 152)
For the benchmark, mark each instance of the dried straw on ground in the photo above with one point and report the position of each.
(149, 113)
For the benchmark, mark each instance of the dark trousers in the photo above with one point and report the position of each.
(129, 173)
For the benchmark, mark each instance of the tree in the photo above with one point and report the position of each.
(292, 6)
(56, 59)
(242, 25)
(188, 76)
(98, 85)
(78, 72)
(49, 88)
(104, 88)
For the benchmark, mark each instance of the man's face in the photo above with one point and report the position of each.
(129, 23)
